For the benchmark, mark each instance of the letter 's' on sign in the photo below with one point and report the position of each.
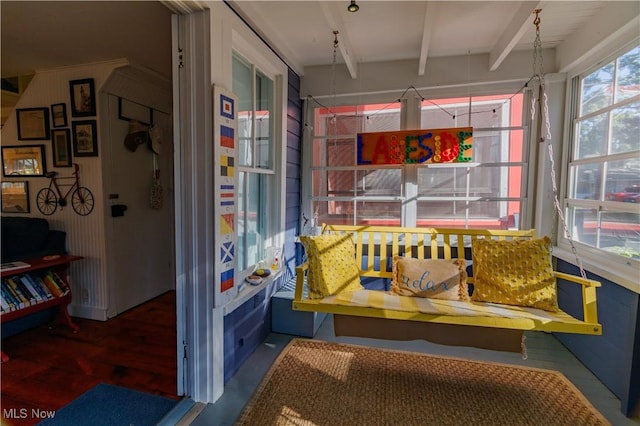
(416, 146)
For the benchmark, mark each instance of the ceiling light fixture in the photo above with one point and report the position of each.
(353, 7)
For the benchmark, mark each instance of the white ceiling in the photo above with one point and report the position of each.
(398, 30)
(41, 35)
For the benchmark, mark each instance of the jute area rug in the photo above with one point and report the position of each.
(320, 383)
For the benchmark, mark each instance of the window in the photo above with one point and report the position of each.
(257, 143)
(341, 192)
(490, 192)
(604, 167)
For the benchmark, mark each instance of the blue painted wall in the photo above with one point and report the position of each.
(248, 326)
(294, 167)
(613, 357)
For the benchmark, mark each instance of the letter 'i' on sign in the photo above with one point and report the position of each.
(433, 146)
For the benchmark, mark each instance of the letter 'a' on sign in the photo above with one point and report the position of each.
(427, 146)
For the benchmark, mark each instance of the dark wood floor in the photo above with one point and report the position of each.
(48, 368)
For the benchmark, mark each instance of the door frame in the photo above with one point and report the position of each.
(200, 327)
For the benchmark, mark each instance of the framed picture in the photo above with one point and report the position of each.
(61, 144)
(28, 160)
(83, 98)
(59, 115)
(33, 124)
(15, 197)
(85, 138)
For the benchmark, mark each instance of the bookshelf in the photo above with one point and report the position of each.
(37, 291)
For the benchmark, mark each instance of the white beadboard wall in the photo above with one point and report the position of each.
(85, 234)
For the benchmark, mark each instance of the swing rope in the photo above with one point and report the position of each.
(543, 110)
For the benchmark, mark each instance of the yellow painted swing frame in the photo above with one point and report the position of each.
(441, 243)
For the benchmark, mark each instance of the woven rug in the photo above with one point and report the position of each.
(320, 383)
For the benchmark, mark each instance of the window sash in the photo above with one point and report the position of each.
(598, 215)
(337, 184)
(256, 151)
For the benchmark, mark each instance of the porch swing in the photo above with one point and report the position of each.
(485, 324)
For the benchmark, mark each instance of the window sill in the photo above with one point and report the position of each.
(247, 292)
(621, 273)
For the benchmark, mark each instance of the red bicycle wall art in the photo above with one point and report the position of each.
(48, 199)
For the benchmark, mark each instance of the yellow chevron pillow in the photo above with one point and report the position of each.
(332, 264)
(515, 272)
(430, 278)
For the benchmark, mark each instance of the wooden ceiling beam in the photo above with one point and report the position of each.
(345, 47)
(429, 19)
(513, 33)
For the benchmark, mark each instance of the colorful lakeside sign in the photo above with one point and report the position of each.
(453, 145)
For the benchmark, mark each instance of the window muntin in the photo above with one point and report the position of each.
(606, 230)
(464, 214)
(264, 125)
(604, 172)
(622, 119)
(488, 181)
(490, 191)
(256, 109)
(484, 112)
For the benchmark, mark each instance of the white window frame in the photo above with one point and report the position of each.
(410, 116)
(272, 67)
(621, 270)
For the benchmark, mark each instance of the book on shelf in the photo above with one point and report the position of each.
(49, 281)
(24, 290)
(44, 293)
(38, 280)
(6, 306)
(25, 281)
(10, 266)
(15, 291)
(13, 303)
(61, 283)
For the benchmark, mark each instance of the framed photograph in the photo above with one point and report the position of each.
(61, 144)
(27, 160)
(83, 98)
(59, 115)
(33, 124)
(15, 197)
(85, 138)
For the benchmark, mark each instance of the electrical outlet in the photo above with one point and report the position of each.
(84, 295)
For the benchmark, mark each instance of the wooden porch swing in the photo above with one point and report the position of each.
(381, 314)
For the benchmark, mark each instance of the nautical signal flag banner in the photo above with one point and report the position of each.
(227, 139)
(453, 145)
(226, 107)
(226, 280)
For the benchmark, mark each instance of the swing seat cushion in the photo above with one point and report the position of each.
(332, 264)
(444, 279)
(516, 272)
